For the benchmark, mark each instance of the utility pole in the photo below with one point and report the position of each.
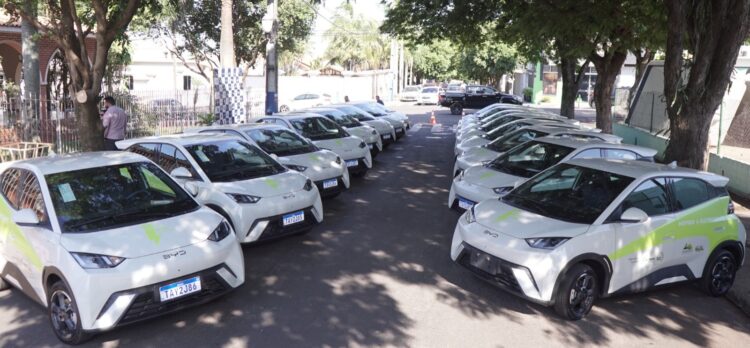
(270, 27)
(226, 44)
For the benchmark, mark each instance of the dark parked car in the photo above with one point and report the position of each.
(476, 97)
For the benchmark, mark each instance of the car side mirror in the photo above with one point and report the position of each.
(25, 217)
(181, 173)
(633, 214)
(191, 188)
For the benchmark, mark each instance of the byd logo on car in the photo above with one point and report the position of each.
(493, 235)
(175, 254)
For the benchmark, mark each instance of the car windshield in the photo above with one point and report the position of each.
(233, 160)
(529, 159)
(281, 142)
(318, 128)
(345, 121)
(100, 198)
(511, 140)
(356, 112)
(411, 89)
(430, 90)
(499, 122)
(569, 193)
(372, 109)
(505, 129)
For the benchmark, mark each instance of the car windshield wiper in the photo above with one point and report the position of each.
(89, 221)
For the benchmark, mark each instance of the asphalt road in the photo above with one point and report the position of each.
(377, 273)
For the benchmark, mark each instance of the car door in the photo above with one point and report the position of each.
(639, 249)
(33, 245)
(489, 96)
(698, 218)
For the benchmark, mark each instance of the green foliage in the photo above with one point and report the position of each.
(527, 93)
(356, 43)
(207, 119)
(435, 60)
(486, 62)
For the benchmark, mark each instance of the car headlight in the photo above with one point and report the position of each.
(338, 160)
(548, 243)
(308, 185)
(94, 261)
(243, 198)
(221, 232)
(296, 167)
(502, 190)
(362, 145)
(374, 132)
(469, 216)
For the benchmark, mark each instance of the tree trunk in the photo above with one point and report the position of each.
(30, 62)
(607, 69)
(689, 137)
(567, 69)
(90, 127)
(642, 58)
(226, 44)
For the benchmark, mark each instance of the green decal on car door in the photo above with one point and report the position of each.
(709, 220)
(10, 232)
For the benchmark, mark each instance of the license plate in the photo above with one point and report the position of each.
(293, 218)
(351, 163)
(483, 262)
(386, 136)
(179, 289)
(330, 183)
(465, 203)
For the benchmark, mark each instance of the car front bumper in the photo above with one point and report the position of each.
(469, 192)
(253, 219)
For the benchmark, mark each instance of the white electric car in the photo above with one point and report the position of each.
(484, 139)
(107, 239)
(476, 155)
(485, 111)
(328, 135)
(492, 114)
(260, 198)
(497, 177)
(354, 127)
(325, 168)
(594, 228)
(384, 128)
(398, 120)
(503, 120)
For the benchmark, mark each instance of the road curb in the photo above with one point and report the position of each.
(740, 298)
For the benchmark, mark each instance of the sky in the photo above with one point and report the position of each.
(370, 9)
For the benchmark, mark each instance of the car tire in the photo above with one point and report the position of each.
(63, 315)
(456, 109)
(4, 284)
(577, 292)
(283, 108)
(719, 274)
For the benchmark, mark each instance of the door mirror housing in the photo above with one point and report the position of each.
(633, 214)
(25, 217)
(192, 188)
(181, 173)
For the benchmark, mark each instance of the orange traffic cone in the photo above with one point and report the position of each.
(432, 118)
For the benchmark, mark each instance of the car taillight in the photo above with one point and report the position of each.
(730, 208)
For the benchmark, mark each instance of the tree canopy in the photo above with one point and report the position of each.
(355, 42)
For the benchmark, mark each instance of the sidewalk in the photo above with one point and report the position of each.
(740, 292)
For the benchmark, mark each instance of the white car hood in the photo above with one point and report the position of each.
(145, 239)
(485, 177)
(268, 186)
(519, 223)
(318, 160)
(347, 148)
(364, 132)
(473, 142)
(382, 126)
(478, 155)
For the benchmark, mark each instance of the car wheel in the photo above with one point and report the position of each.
(718, 276)
(456, 109)
(577, 292)
(283, 108)
(4, 284)
(63, 314)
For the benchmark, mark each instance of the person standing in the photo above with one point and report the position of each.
(380, 101)
(346, 99)
(114, 121)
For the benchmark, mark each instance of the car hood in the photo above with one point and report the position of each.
(519, 223)
(318, 160)
(471, 133)
(395, 122)
(147, 238)
(472, 142)
(485, 177)
(364, 132)
(268, 186)
(382, 126)
(341, 146)
(478, 155)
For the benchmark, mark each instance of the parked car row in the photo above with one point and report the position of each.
(107, 239)
(562, 215)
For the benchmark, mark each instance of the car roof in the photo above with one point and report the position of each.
(77, 161)
(296, 116)
(643, 169)
(234, 126)
(183, 139)
(594, 143)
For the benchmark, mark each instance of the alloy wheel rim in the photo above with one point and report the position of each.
(722, 274)
(64, 318)
(582, 294)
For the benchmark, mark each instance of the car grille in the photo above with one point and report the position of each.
(147, 304)
(332, 190)
(490, 268)
(360, 167)
(276, 228)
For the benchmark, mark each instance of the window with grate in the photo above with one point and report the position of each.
(9, 182)
(32, 198)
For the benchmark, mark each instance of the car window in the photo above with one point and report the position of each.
(689, 192)
(620, 154)
(11, 186)
(233, 160)
(529, 159)
(318, 128)
(590, 153)
(171, 158)
(32, 198)
(650, 196)
(150, 151)
(313, 96)
(281, 142)
(511, 140)
(301, 97)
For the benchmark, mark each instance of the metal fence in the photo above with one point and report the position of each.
(149, 113)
